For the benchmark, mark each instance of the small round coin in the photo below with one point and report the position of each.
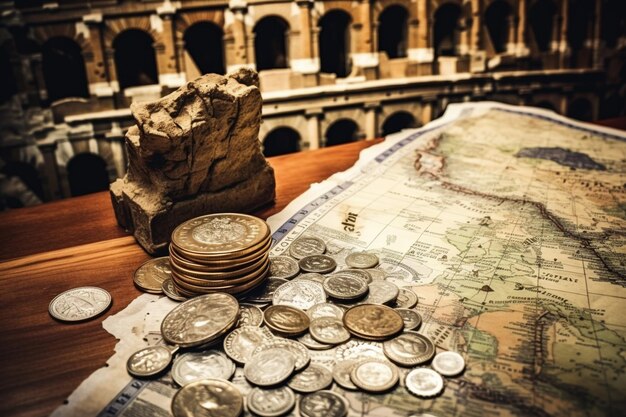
(283, 267)
(271, 402)
(311, 343)
(208, 398)
(325, 310)
(297, 350)
(376, 274)
(320, 264)
(310, 379)
(358, 273)
(170, 290)
(341, 373)
(374, 375)
(362, 260)
(301, 294)
(409, 349)
(286, 320)
(406, 299)
(412, 319)
(323, 404)
(78, 304)
(448, 363)
(269, 367)
(194, 366)
(149, 361)
(306, 246)
(150, 275)
(241, 342)
(424, 382)
(249, 315)
(381, 292)
(345, 287)
(373, 321)
(265, 292)
(329, 330)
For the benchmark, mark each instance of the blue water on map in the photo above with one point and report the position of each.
(563, 157)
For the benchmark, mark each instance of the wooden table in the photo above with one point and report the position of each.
(75, 242)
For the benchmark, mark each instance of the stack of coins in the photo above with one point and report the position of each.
(225, 252)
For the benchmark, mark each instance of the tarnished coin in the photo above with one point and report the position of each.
(323, 404)
(310, 379)
(424, 382)
(376, 274)
(311, 276)
(249, 315)
(325, 310)
(301, 294)
(412, 319)
(265, 292)
(381, 292)
(361, 260)
(406, 299)
(297, 349)
(208, 398)
(283, 267)
(78, 304)
(358, 273)
(271, 402)
(409, 349)
(345, 287)
(269, 367)
(320, 264)
(341, 373)
(150, 275)
(194, 366)
(328, 330)
(286, 320)
(306, 246)
(200, 319)
(241, 342)
(374, 375)
(149, 361)
(373, 321)
(313, 344)
(170, 290)
(448, 363)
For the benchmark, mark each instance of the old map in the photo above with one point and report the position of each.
(510, 225)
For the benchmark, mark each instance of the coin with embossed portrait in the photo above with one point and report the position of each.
(283, 267)
(362, 260)
(297, 349)
(306, 246)
(328, 330)
(373, 321)
(424, 382)
(150, 275)
(271, 402)
(78, 304)
(241, 342)
(345, 287)
(374, 375)
(323, 404)
(412, 319)
(358, 273)
(409, 348)
(194, 366)
(448, 363)
(320, 264)
(312, 378)
(325, 310)
(208, 398)
(301, 294)
(249, 315)
(381, 292)
(341, 373)
(269, 367)
(406, 299)
(149, 361)
(286, 320)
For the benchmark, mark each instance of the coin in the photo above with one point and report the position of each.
(409, 349)
(311, 343)
(194, 366)
(310, 379)
(345, 287)
(359, 349)
(269, 367)
(320, 264)
(381, 292)
(200, 320)
(170, 290)
(311, 276)
(374, 375)
(328, 330)
(301, 294)
(406, 299)
(323, 404)
(149, 361)
(78, 304)
(373, 321)
(341, 373)
(361, 260)
(305, 246)
(424, 382)
(358, 273)
(208, 398)
(241, 342)
(283, 267)
(286, 320)
(249, 315)
(211, 262)
(448, 363)
(150, 275)
(228, 286)
(325, 310)
(376, 274)
(265, 293)
(271, 402)
(223, 276)
(412, 319)
(297, 349)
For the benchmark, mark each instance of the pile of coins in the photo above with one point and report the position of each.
(219, 253)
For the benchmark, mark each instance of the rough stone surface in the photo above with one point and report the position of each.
(193, 152)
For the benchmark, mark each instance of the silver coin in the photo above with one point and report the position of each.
(297, 349)
(241, 342)
(266, 292)
(194, 366)
(310, 379)
(171, 292)
(311, 343)
(374, 375)
(381, 292)
(208, 398)
(424, 382)
(376, 274)
(448, 363)
(329, 330)
(344, 286)
(359, 349)
(283, 267)
(271, 402)
(412, 319)
(249, 315)
(311, 276)
(149, 361)
(409, 349)
(200, 319)
(320, 264)
(301, 294)
(362, 260)
(323, 404)
(306, 246)
(269, 367)
(358, 273)
(341, 373)
(325, 310)
(406, 299)
(78, 304)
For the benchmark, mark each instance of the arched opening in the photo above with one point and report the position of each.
(281, 141)
(580, 109)
(135, 59)
(341, 131)
(63, 69)
(8, 86)
(498, 19)
(398, 121)
(613, 22)
(541, 18)
(545, 104)
(393, 32)
(580, 14)
(27, 174)
(270, 43)
(87, 173)
(446, 31)
(203, 43)
(334, 43)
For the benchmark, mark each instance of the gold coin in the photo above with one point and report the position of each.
(286, 320)
(217, 265)
(150, 275)
(373, 321)
(223, 275)
(222, 283)
(192, 290)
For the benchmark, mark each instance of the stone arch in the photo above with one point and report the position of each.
(334, 42)
(41, 34)
(271, 43)
(579, 22)
(393, 31)
(580, 108)
(114, 27)
(541, 17)
(498, 19)
(446, 28)
(341, 131)
(135, 58)
(281, 140)
(63, 69)
(87, 173)
(398, 121)
(204, 48)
